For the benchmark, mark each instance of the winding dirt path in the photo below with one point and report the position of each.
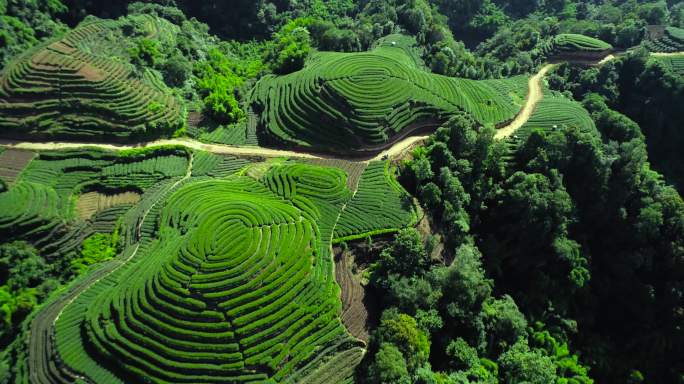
(190, 143)
(667, 54)
(534, 96)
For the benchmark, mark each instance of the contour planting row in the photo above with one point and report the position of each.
(57, 89)
(675, 63)
(671, 41)
(233, 291)
(357, 100)
(380, 205)
(553, 113)
(572, 42)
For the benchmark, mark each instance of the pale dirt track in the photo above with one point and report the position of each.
(194, 144)
(667, 54)
(534, 96)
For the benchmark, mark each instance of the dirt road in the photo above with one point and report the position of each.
(190, 143)
(667, 54)
(534, 95)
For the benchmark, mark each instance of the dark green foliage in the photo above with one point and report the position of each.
(218, 80)
(95, 249)
(401, 330)
(290, 47)
(407, 255)
(389, 366)
(25, 23)
(522, 365)
(146, 53)
(24, 282)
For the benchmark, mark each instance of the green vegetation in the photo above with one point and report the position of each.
(211, 293)
(24, 282)
(571, 42)
(366, 99)
(290, 47)
(95, 249)
(61, 89)
(673, 63)
(380, 193)
(219, 79)
(215, 287)
(671, 41)
(548, 252)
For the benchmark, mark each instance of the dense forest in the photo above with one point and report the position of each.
(553, 256)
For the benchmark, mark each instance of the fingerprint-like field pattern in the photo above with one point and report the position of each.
(235, 291)
(355, 100)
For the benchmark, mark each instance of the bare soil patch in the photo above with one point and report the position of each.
(354, 313)
(91, 202)
(91, 73)
(12, 162)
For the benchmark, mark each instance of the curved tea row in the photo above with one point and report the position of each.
(60, 89)
(354, 100)
(232, 292)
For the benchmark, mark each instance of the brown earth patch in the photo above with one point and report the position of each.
(354, 313)
(60, 47)
(12, 162)
(91, 73)
(91, 202)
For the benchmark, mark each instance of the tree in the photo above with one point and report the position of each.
(406, 256)
(519, 364)
(177, 70)
(402, 331)
(342, 40)
(218, 81)
(465, 289)
(146, 52)
(389, 366)
(488, 19)
(462, 356)
(290, 47)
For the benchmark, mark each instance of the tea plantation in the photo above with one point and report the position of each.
(75, 87)
(341, 192)
(220, 277)
(571, 42)
(671, 41)
(362, 101)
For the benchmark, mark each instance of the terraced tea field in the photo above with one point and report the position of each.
(222, 278)
(674, 62)
(380, 192)
(92, 202)
(571, 42)
(12, 162)
(363, 101)
(69, 88)
(671, 41)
